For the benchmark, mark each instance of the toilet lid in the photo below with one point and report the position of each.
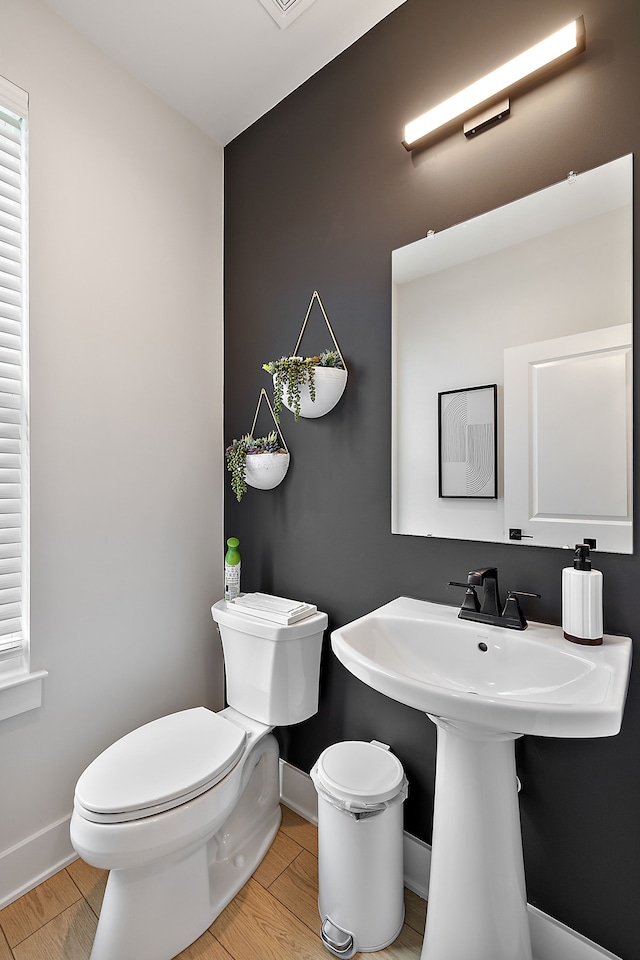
(160, 762)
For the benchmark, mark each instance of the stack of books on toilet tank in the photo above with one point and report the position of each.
(275, 609)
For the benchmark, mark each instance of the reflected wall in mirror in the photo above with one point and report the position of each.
(535, 296)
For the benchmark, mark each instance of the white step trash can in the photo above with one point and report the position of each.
(361, 788)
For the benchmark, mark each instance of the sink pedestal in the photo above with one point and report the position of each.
(477, 898)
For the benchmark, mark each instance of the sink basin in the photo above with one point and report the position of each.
(531, 682)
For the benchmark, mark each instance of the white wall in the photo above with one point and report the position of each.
(126, 414)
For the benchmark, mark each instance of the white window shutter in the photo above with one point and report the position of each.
(14, 485)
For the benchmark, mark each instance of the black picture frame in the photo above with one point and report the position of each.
(467, 443)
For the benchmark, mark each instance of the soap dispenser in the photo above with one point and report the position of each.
(582, 599)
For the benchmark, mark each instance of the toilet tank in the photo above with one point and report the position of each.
(272, 670)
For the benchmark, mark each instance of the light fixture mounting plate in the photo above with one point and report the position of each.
(488, 118)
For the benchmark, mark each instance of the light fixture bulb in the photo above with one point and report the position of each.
(565, 41)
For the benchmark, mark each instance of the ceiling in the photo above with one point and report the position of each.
(221, 63)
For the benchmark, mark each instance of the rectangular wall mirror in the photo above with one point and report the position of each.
(536, 298)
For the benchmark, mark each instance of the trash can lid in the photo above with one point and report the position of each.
(355, 770)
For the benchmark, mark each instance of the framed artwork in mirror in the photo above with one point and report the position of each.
(467, 447)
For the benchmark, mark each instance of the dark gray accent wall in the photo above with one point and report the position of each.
(318, 193)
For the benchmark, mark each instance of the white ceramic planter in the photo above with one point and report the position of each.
(330, 383)
(266, 470)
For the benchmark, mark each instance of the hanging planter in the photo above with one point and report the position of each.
(265, 469)
(258, 462)
(329, 384)
(308, 386)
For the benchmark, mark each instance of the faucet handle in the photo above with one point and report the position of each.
(470, 601)
(512, 610)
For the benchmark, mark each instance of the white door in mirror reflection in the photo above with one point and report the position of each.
(568, 439)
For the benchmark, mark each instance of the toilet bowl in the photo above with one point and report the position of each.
(182, 810)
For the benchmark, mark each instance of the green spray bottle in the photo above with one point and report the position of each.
(232, 569)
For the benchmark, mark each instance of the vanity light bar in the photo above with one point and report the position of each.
(567, 42)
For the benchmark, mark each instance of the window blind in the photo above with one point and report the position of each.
(13, 371)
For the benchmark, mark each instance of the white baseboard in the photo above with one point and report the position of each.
(38, 857)
(550, 939)
(298, 792)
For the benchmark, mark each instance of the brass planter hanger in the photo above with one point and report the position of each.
(263, 394)
(316, 296)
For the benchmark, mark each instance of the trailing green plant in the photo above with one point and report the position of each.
(236, 455)
(294, 372)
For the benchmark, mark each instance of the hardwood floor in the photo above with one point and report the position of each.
(274, 917)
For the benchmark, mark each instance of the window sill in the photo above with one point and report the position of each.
(20, 693)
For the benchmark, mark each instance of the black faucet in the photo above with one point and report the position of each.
(491, 610)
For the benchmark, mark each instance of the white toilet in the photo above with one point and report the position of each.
(182, 810)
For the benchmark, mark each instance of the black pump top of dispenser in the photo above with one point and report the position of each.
(582, 557)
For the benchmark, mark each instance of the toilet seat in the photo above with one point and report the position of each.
(159, 766)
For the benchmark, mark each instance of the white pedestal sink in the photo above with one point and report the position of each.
(483, 687)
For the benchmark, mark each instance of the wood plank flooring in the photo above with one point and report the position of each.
(274, 916)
